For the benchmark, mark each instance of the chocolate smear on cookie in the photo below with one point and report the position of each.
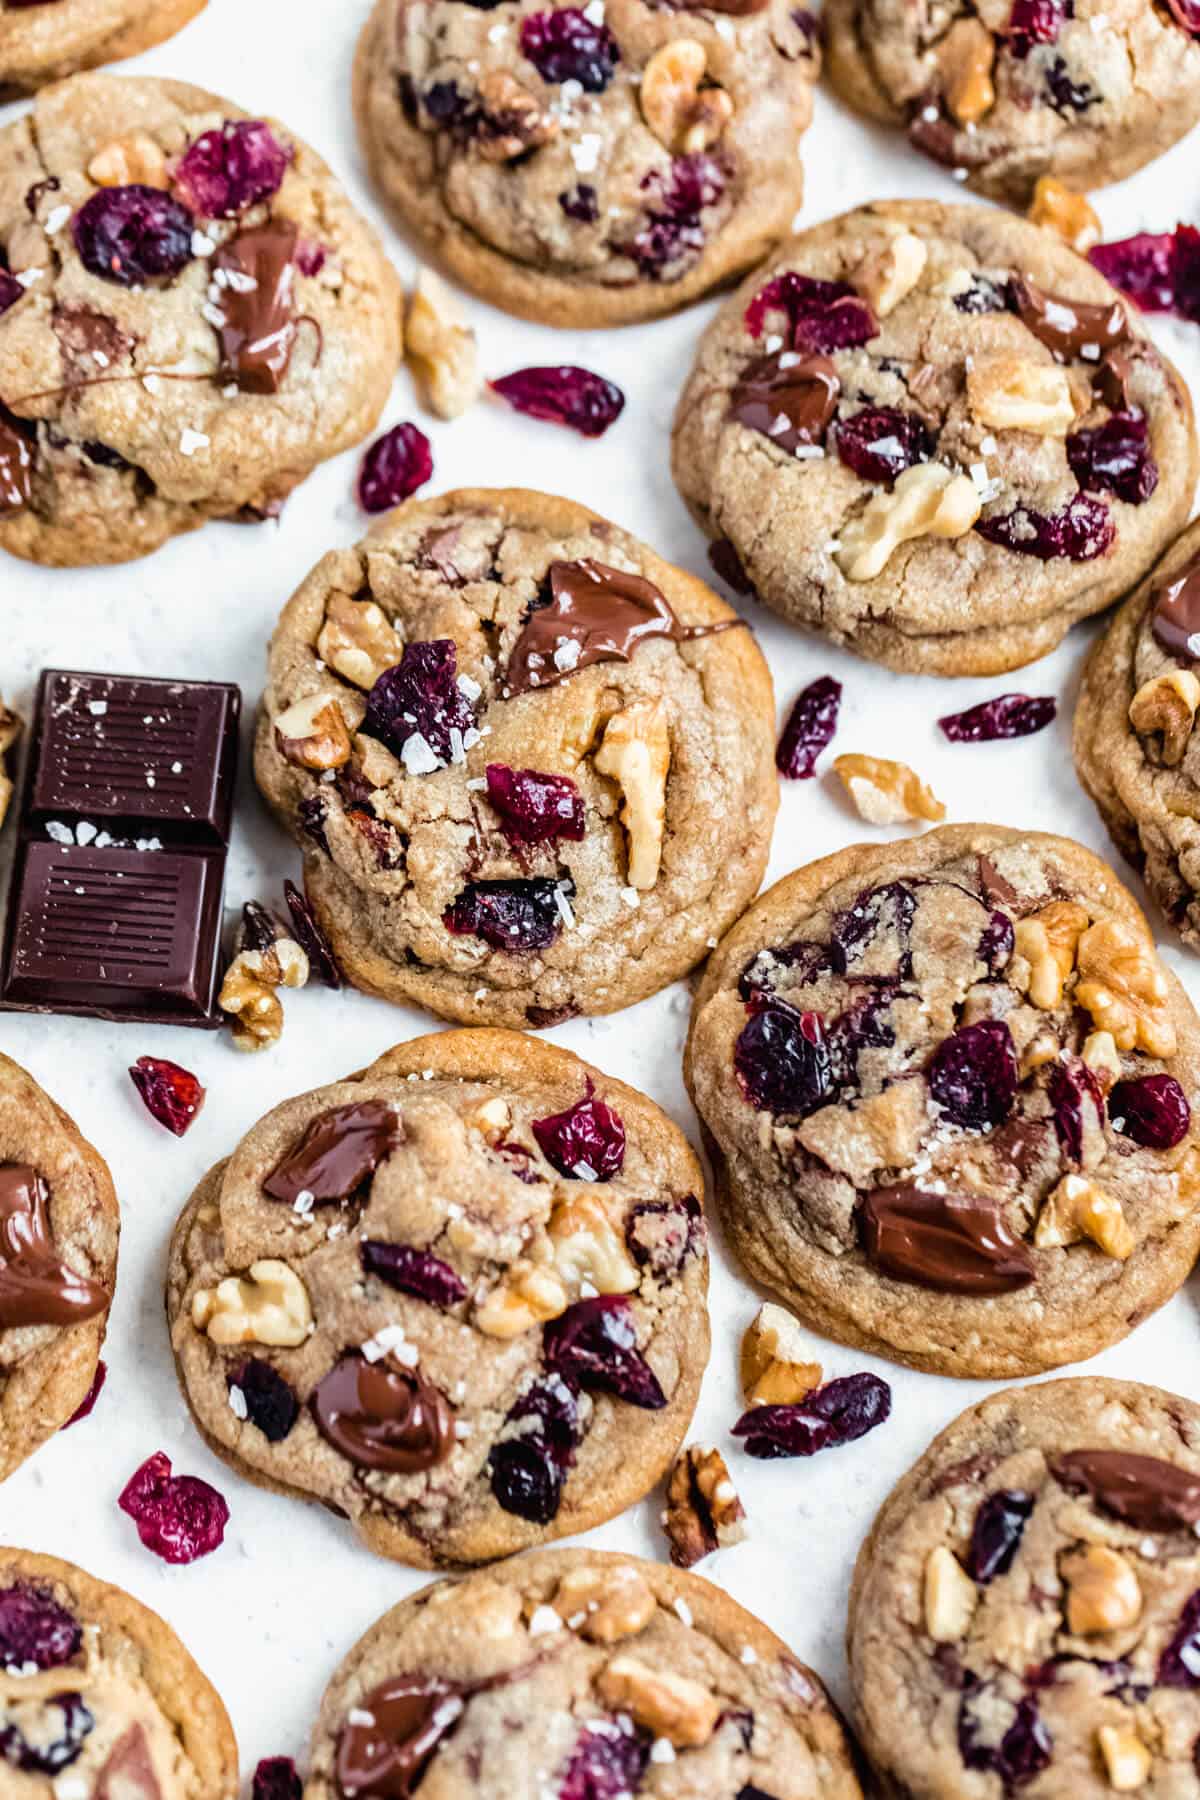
(408, 1716)
(958, 1243)
(383, 1418)
(1176, 620)
(256, 275)
(16, 465)
(36, 1286)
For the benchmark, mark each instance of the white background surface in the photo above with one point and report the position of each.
(270, 1614)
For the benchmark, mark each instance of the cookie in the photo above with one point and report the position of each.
(97, 1692)
(58, 1261)
(48, 39)
(1134, 748)
(948, 1086)
(595, 165)
(192, 317)
(577, 1673)
(1025, 1612)
(1005, 91)
(935, 435)
(529, 763)
(474, 1315)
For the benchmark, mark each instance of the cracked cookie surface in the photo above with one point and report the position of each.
(458, 1298)
(935, 435)
(54, 38)
(949, 1089)
(1029, 1598)
(550, 782)
(595, 165)
(192, 316)
(571, 1672)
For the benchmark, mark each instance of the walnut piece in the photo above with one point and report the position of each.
(1014, 393)
(1126, 1758)
(683, 114)
(357, 641)
(928, 500)
(1078, 1209)
(514, 119)
(134, 157)
(589, 1248)
(1103, 1592)
(1044, 951)
(10, 731)
(775, 1369)
(669, 1706)
(312, 733)
(248, 991)
(966, 57)
(1124, 987)
(703, 1512)
(886, 792)
(1168, 705)
(529, 1295)
(636, 754)
(1069, 215)
(270, 1305)
(440, 348)
(888, 275)
(605, 1605)
(1100, 1055)
(950, 1597)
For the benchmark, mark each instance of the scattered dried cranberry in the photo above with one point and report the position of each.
(421, 697)
(535, 808)
(782, 1061)
(996, 1534)
(566, 46)
(595, 1343)
(276, 1778)
(413, 1271)
(306, 929)
(1036, 22)
(1153, 1111)
(528, 1469)
(1080, 531)
(226, 171)
(673, 234)
(810, 728)
(509, 915)
(565, 395)
(1070, 1087)
(586, 1142)
(1114, 458)
(35, 1630)
(90, 1398)
(997, 943)
(271, 1406)
(1179, 1665)
(1023, 1751)
(50, 1754)
(973, 1075)
(837, 1413)
(179, 1517)
(661, 1236)
(880, 442)
(395, 466)
(1161, 272)
(1007, 716)
(132, 234)
(607, 1763)
(1187, 14)
(821, 315)
(173, 1095)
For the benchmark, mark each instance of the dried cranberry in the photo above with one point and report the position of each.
(276, 1778)
(413, 1271)
(1179, 1664)
(271, 1406)
(802, 963)
(985, 296)
(996, 1534)
(179, 1517)
(810, 726)
(821, 315)
(782, 1061)
(587, 1141)
(35, 1631)
(1144, 267)
(1036, 22)
(421, 697)
(1114, 458)
(1153, 1111)
(661, 1236)
(726, 563)
(90, 1398)
(973, 1075)
(10, 288)
(1080, 531)
(1187, 14)
(581, 203)
(535, 808)
(997, 943)
(673, 234)
(225, 171)
(312, 815)
(310, 258)
(880, 442)
(837, 1413)
(395, 466)
(528, 1469)
(1007, 716)
(565, 395)
(863, 1025)
(171, 1094)
(566, 46)
(50, 1753)
(1021, 1753)
(595, 1343)
(1070, 1087)
(607, 1763)
(509, 915)
(306, 929)
(132, 234)
(888, 910)
(1067, 95)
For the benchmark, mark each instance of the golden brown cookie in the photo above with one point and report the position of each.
(49, 39)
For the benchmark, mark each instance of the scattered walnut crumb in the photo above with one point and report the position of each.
(886, 792)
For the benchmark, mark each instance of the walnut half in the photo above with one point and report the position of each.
(248, 992)
(269, 1305)
(636, 753)
(440, 347)
(886, 792)
(1167, 705)
(703, 1511)
(775, 1368)
(670, 1706)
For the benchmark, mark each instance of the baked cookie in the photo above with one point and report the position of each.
(1134, 745)
(58, 1260)
(1025, 1614)
(458, 1297)
(937, 436)
(98, 1696)
(1006, 91)
(949, 1088)
(589, 165)
(573, 1673)
(529, 763)
(43, 40)
(192, 316)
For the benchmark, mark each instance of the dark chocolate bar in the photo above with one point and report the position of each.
(115, 904)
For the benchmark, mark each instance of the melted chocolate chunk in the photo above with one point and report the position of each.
(410, 1715)
(788, 398)
(16, 465)
(257, 276)
(1176, 617)
(382, 1418)
(36, 1286)
(958, 1243)
(1144, 1491)
(337, 1153)
(1068, 327)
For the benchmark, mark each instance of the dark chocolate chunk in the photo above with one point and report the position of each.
(383, 1418)
(1144, 1491)
(1176, 618)
(958, 1243)
(337, 1152)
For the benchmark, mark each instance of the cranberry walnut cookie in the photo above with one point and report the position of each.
(569, 1674)
(44, 40)
(458, 1297)
(192, 316)
(935, 435)
(99, 1697)
(1030, 1593)
(949, 1090)
(530, 764)
(589, 165)
(1006, 91)
(59, 1225)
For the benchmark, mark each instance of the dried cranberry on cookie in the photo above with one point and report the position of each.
(935, 435)
(458, 1298)
(950, 1089)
